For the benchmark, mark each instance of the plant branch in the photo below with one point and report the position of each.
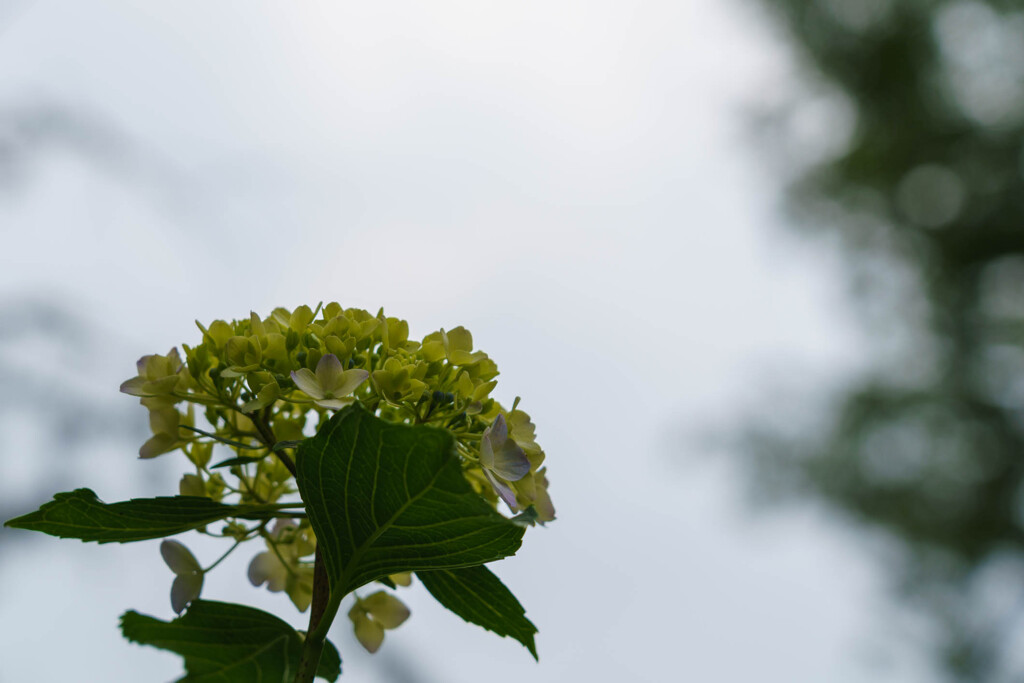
(267, 436)
(322, 609)
(321, 614)
(321, 592)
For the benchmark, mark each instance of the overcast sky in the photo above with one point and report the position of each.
(573, 181)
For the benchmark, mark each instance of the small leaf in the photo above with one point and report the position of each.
(229, 442)
(80, 514)
(527, 517)
(226, 643)
(231, 462)
(479, 597)
(385, 498)
(329, 667)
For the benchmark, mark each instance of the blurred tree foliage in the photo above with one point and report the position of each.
(918, 169)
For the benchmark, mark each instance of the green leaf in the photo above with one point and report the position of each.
(80, 514)
(329, 666)
(385, 498)
(479, 597)
(231, 462)
(223, 440)
(279, 446)
(227, 643)
(527, 517)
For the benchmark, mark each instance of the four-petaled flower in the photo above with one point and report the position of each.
(188, 582)
(502, 460)
(331, 385)
(280, 567)
(454, 345)
(371, 616)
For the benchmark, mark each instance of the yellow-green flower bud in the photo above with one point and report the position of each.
(398, 381)
(401, 579)
(192, 485)
(300, 319)
(165, 424)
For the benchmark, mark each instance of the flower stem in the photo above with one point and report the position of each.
(322, 608)
(221, 558)
(321, 613)
(268, 438)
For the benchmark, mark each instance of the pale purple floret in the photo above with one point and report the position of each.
(502, 460)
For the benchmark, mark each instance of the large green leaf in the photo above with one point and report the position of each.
(479, 597)
(385, 498)
(80, 514)
(227, 643)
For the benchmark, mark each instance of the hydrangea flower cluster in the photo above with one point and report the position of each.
(258, 386)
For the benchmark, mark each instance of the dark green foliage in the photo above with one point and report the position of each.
(385, 498)
(479, 597)
(80, 514)
(231, 462)
(227, 643)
